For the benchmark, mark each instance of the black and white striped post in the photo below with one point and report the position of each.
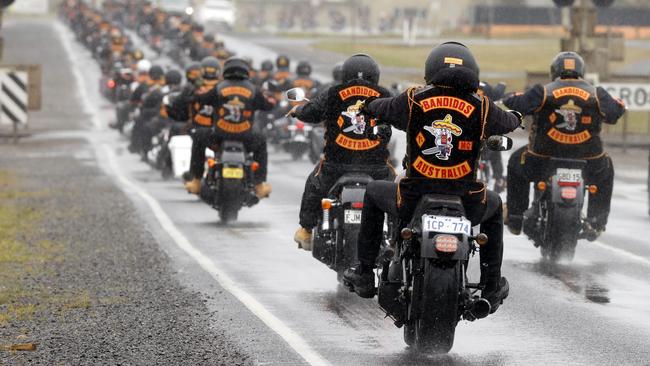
(13, 99)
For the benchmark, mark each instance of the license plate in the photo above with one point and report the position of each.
(233, 173)
(569, 175)
(446, 224)
(352, 216)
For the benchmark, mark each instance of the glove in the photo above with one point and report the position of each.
(381, 132)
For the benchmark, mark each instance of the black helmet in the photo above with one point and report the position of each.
(567, 65)
(452, 64)
(193, 71)
(208, 38)
(303, 68)
(236, 68)
(267, 65)
(337, 73)
(282, 62)
(173, 77)
(361, 66)
(211, 68)
(156, 72)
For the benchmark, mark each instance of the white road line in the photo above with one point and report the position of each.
(89, 108)
(294, 340)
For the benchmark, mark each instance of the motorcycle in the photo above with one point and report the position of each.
(228, 185)
(554, 221)
(424, 286)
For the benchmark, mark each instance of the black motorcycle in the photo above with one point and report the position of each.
(335, 236)
(424, 286)
(228, 185)
(554, 221)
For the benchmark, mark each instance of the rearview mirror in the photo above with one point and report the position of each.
(499, 143)
(296, 95)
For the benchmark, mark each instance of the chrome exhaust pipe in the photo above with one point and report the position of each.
(480, 308)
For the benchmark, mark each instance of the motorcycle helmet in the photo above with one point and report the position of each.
(236, 68)
(267, 65)
(143, 66)
(303, 69)
(211, 68)
(173, 77)
(452, 64)
(282, 62)
(138, 54)
(567, 65)
(156, 73)
(193, 72)
(361, 66)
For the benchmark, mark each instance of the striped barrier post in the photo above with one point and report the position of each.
(13, 99)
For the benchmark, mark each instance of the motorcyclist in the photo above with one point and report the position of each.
(446, 122)
(264, 74)
(568, 114)
(173, 80)
(283, 74)
(347, 145)
(150, 108)
(234, 101)
(137, 90)
(304, 80)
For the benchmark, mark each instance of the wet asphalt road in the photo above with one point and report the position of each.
(591, 311)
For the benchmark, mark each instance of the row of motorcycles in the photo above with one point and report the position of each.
(422, 281)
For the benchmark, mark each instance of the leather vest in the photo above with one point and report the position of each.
(445, 134)
(569, 121)
(201, 114)
(346, 140)
(234, 115)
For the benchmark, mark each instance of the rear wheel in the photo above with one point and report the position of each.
(229, 203)
(562, 235)
(436, 327)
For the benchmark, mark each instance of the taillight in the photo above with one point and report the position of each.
(111, 83)
(357, 204)
(568, 193)
(568, 184)
(300, 125)
(446, 243)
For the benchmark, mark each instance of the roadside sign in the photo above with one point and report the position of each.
(13, 97)
(635, 96)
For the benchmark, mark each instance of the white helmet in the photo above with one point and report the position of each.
(143, 66)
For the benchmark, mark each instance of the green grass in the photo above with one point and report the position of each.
(26, 256)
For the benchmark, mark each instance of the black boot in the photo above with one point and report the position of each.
(495, 292)
(361, 279)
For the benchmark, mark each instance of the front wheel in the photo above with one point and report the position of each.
(436, 327)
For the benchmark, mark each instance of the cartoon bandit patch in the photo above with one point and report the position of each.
(234, 107)
(570, 112)
(358, 122)
(444, 131)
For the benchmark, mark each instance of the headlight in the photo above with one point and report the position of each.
(189, 11)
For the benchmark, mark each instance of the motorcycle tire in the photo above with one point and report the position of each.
(436, 327)
(229, 202)
(562, 237)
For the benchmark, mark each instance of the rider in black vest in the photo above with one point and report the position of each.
(234, 102)
(347, 146)
(568, 114)
(445, 123)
